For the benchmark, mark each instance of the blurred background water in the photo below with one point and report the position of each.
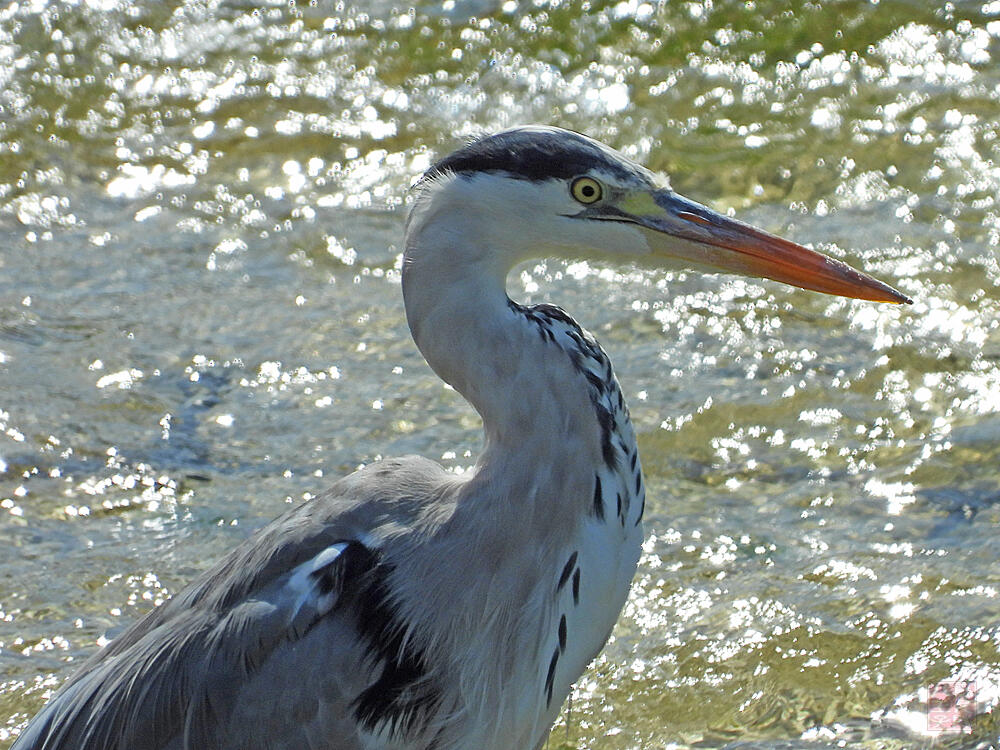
(201, 206)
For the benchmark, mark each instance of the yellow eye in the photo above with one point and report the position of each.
(586, 189)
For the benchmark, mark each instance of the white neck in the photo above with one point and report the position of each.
(545, 486)
(535, 405)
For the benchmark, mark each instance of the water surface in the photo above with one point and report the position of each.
(201, 205)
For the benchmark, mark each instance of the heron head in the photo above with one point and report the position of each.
(536, 192)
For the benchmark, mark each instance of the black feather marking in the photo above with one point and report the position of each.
(642, 509)
(598, 499)
(576, 586)
(634, 457)
(562, 633)
(619, 505)
(567, 569)
(585, 348)
(638, 483)
(331, 577)
(402, 696)
(552, 312)
(536, 154)
(596, 381)
(606, 421)
(586, 345)
(551, 676)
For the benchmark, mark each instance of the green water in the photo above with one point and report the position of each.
(200, 211)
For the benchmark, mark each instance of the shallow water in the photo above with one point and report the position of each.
(200, 211)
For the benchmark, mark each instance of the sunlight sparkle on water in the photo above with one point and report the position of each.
(821, 472)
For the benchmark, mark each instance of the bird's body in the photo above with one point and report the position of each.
(409, 608)
(429, 612)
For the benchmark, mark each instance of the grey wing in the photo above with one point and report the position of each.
(233, 679)
(266, 650)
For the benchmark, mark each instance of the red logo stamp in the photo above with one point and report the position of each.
(951, 707)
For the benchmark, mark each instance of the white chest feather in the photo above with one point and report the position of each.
(592, 583)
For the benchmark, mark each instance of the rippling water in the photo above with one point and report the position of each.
(200, 211)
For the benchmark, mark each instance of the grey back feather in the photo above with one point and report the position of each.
(175, 679)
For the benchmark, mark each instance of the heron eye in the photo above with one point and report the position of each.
(586, 190)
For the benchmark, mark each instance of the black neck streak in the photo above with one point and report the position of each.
(588, 359)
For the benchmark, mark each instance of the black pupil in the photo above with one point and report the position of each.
(588, 191)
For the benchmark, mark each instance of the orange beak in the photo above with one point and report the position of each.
(681, 229)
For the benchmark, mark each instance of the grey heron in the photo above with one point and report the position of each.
(408, 607)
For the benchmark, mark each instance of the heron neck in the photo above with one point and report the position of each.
(534, 404)
(462, 322)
